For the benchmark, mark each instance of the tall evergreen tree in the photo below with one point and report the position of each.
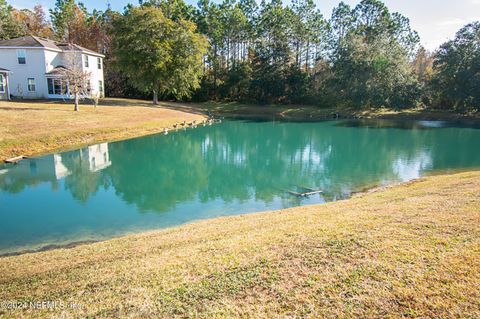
(9, 27)
(63, 19)
(457, 70)
(370, 51)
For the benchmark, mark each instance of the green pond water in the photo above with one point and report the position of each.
(235, 167)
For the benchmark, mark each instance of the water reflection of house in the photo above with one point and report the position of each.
(60, 170)
(33, 171)
(97, 156)
(52, 167)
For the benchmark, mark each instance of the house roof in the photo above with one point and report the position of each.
(31, 41)
(75, 47)
(20, 42)
(4, 70)
(56, 70)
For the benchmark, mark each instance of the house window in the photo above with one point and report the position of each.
(2, 83)
(85, 58)
(100, 87)
(56, 87)
(22, 56)
(31, 85)
(99, 63)
(50, 86)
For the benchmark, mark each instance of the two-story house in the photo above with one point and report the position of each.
(30, 68)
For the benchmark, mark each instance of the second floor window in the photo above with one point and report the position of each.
(85, 58)
(22, 56)
(31, 85)
(99, 63)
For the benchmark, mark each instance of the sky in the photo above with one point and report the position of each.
(435, 20)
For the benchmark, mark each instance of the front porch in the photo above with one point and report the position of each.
(57, 87)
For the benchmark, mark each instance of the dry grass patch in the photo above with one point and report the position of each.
(404, 252)
(34, 127)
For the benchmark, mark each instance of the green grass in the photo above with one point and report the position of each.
(407, 251)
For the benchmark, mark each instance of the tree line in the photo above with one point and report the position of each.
(267, 52)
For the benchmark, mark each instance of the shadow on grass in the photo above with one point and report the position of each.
(176, 106)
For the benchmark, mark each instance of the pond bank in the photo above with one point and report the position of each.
(30, 128)
(312, 113)
(408, 250)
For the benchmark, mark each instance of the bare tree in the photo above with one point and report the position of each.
(77, 80)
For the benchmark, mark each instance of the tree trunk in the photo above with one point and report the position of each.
(307, 57)
(297, 50)
(215, 67)
(76, 102)
(155, 97)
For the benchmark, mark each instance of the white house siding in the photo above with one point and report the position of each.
(96, 74)
(34, 68)
(40, 61)
(52, 60)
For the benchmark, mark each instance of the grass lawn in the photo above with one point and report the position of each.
(407, 251)
(35, 127)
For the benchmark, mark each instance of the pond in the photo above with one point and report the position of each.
(234, 167)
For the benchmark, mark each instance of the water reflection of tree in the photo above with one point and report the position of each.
(157, 172)
(83, 182)
(263, 158)
(238, 162)
(257, 161)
